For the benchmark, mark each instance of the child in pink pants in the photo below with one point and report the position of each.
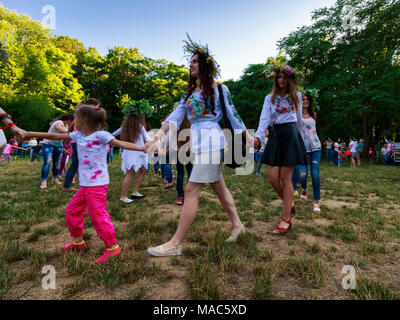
(92, 141)
(8, 149)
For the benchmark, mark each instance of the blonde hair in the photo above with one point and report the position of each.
(292, 86)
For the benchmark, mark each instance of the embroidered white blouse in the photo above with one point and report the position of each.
(310, 136)
(283, 111)
(206, 135)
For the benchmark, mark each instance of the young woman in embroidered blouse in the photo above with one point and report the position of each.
(313, 146)
(285, 148)
(202, 106)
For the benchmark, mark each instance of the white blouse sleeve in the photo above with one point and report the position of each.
(265, 119)
(231, 112)
(177, 116)
(146, 137)
(300, 114)
(117, 133)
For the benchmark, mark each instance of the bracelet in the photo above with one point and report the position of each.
(8, 126)
(4, 116)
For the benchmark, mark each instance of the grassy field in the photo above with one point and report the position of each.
(359, 226)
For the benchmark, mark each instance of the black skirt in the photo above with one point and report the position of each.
(285, 147)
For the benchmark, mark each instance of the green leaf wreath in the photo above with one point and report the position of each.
(190, 48)
(138, 108)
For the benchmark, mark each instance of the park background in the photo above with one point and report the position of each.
(348, 51)
(355, 65)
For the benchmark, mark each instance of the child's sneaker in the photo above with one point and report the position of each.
(126, 200)
(108, 255)
(180, 201)
(74, 246)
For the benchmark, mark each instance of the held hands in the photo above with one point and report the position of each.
(257, 144)
(19, 133)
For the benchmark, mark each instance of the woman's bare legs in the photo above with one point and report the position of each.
(189, 211)
(228, 203)
(280, 179)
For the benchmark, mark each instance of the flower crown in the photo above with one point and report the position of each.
(138, 108)
(277, 67)
(190, 48)
(314, 94)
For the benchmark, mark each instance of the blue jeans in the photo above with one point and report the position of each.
(181, 174)
(166, 169)
(335, 158)
(73, 167)
(51, 155)
(23, 152)
(329, 155)
(259, 163)
(301, 174)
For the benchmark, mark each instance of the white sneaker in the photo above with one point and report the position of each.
(235, 237)
(160, 251)
(126, 200)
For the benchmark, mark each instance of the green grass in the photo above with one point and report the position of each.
(252, 268)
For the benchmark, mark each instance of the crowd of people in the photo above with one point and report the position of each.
(383, 152)
(290, 150)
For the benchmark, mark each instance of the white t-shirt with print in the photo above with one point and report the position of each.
(92, 156)
(336, 145)
(353, 146)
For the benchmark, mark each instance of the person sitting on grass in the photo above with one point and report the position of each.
(92, 141)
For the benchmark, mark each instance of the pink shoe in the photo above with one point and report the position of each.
(107, 255)
(73, 246)
(303, 196)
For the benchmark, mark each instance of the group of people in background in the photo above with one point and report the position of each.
(382, 152)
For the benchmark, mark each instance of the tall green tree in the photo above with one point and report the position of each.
(37, 67)
(354, 65)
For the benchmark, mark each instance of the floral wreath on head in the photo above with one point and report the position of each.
(277, 67)
(138, 108)
(314, 94)
(191, 47)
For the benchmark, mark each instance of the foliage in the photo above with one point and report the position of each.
(138, 108)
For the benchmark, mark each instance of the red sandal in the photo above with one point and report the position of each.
(278, 230)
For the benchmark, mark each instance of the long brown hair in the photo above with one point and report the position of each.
(292, 86)
(206, 80)
(311, 111)
(95, 118)
(131, 128)
(186, 124)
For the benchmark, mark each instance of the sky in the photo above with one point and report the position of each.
(238, 32)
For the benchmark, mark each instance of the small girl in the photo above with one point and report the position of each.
(91, 140)
(133, 131)
(8, 149)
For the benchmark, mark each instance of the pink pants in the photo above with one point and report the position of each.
(95, 200)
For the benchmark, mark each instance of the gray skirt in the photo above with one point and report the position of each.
(207, 168)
